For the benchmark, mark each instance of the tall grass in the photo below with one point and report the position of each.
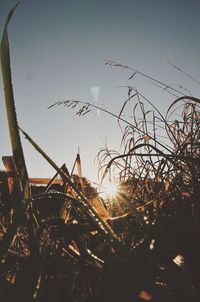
(58, 245)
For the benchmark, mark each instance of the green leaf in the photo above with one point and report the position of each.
(10, 108)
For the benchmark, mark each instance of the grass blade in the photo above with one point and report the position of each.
(10, 108)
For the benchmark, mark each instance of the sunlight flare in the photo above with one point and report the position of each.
(110, 189)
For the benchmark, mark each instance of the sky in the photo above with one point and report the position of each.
(58, 51)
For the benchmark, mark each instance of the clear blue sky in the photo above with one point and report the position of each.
(58, 51)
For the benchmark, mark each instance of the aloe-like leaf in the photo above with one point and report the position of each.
(79, 168)
(94, 215)
(10, 108)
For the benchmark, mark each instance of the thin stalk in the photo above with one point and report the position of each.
(116, 116)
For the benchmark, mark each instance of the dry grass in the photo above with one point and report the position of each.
(65, 243)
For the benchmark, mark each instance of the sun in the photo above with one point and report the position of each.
(110, 189)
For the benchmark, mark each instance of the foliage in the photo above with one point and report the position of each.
(65, 243)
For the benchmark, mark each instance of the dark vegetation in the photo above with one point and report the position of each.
(64, 243)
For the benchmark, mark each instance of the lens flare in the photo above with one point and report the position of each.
(95, 91)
